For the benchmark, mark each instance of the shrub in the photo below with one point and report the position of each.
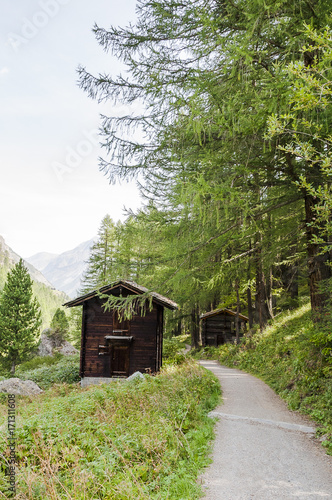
(65, 370)
(37, 362)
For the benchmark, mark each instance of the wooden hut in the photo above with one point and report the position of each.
(219, 327)
(111, 347)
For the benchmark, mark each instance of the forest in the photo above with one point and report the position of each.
(226, 130)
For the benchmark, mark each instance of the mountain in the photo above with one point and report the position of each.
(8, 258)
(42, 259)
(64, 271)
(48, 298)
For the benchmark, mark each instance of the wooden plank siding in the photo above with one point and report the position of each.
(218, 327)
(144, 350)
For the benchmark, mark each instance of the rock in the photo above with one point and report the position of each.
(46, 346)
(49, 342)
(67, 349)
(19, 387)
(136, 375)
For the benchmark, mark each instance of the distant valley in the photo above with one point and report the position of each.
(63, 271)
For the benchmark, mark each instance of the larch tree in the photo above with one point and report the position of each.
(102, 255)
(203, 78)
(20, 317)
(306, 146)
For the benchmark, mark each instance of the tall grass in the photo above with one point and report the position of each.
(143, 439)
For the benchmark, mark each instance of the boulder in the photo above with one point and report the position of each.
(136, 376)
(67, 349)
(49, 343)
(19, 387)
(46, 346)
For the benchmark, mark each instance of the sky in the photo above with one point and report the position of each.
(52, 194)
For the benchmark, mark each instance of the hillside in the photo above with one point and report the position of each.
(48, 297)
(8, 258)
(64, 271)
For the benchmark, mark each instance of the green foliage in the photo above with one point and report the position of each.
(37, 362)
(173, 348)
(304, 132)
(102, 257)
(20, 317)
(145, 439)
(60, 325)
(289, 356)
(57, 370)
(222, 205)
(75, 326)
(49, 301)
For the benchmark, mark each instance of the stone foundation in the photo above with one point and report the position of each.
(85, 381)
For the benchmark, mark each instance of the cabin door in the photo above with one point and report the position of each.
(120, 361)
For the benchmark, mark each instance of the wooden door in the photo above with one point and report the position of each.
(120, 361)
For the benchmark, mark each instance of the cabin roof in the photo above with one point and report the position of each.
(215, 312)
(129, 285)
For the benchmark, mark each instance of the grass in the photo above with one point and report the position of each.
(144, 439)
(293, 356)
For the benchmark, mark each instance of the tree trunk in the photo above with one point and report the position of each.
(318, 268)
(269, 297)
(195, 327)
(12, 369)
(237, 322)
(250, 308)
(261, 310)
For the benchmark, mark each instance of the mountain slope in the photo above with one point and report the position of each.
(42, 259)
(48, 298)
(64, 271)
(8, 258)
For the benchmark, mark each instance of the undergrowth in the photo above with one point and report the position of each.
(292, 356)
(51, 370)
(143, 439)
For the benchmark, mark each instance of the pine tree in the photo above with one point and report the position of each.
(20, 317)
(59, 325)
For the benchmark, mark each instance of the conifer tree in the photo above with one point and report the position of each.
(205, 77)
(100, 269)
(59, 324)
(20, 317)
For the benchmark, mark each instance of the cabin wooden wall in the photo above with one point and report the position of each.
(144, 350)
(218, 329)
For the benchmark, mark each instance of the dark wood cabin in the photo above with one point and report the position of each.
(218, 327)
(113, 348)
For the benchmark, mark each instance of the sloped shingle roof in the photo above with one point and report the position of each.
(223, 311)
(129, 285)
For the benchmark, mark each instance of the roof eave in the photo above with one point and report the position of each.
(129, 286)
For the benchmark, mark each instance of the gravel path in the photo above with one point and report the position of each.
(262, 450)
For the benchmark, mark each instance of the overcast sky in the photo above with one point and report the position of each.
(52, 195)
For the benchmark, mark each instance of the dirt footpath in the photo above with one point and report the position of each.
(262, 450)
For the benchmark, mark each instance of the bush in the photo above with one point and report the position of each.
(173, 348)
(39, 361)
(64, 370)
